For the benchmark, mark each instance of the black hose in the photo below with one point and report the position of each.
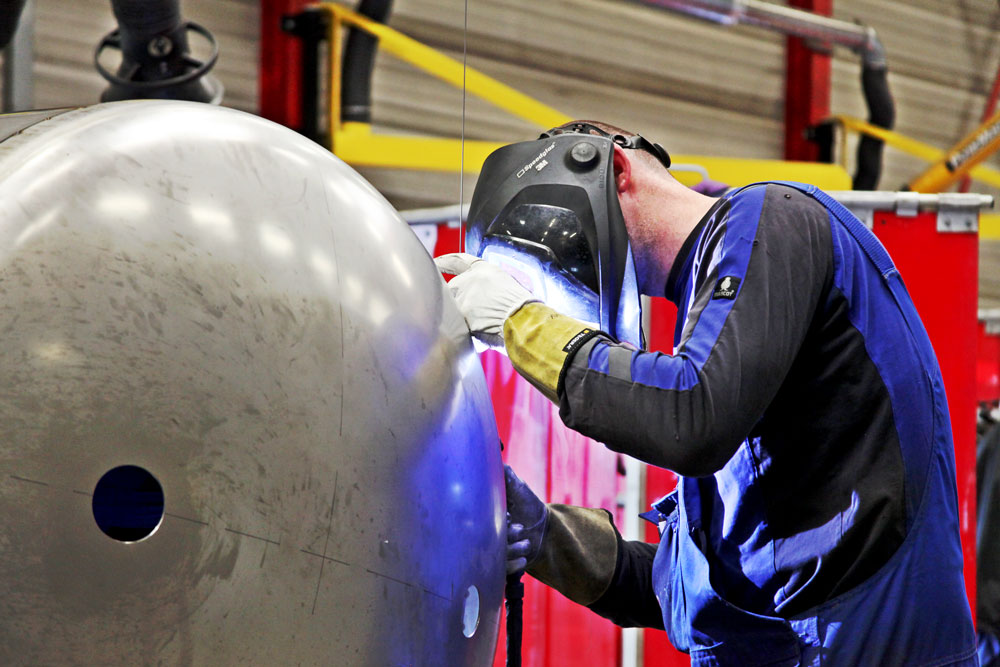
(10, 14)
(139, 22)
(881, 113)
(142, 18)
(359, 60)
(155, 57)
(514, 603)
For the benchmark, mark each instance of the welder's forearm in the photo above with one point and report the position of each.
(579, 552)
(630, 600)
(553, 352)
(692, 431)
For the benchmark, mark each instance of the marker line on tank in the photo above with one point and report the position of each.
(335, 560)
(326, 544)
(256, 537)
(184, 518)
(386, 576)
(430, 592)
(30, 481)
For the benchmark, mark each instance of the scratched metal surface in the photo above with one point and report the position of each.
(213, 298)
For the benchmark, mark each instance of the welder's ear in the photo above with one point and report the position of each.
(623, 169)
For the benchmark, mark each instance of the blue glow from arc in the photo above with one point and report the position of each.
(569, 296)
(556, 289)
(629, 325)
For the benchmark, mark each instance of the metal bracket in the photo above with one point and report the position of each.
(990, 317)
(955, 215)
(907, 204)
(956, 212)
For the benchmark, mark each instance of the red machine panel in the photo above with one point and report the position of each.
(941, 272)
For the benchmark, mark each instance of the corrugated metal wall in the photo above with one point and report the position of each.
(697, 87)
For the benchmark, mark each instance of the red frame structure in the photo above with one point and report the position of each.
(807, 87)
(279, 78)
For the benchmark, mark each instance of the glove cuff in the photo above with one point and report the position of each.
(578, 552)
(539, 341)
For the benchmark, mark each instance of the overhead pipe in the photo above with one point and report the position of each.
(863, 40)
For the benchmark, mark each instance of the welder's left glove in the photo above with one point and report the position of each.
(526, 520)
(572, 549)
(486, 294)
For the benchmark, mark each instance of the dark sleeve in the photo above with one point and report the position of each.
(630, 600)
(584, 557)
(10, 14)
(761, 273)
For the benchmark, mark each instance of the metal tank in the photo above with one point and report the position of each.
(241, 422)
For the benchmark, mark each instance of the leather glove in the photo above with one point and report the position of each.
(486, 294)
(527, 518)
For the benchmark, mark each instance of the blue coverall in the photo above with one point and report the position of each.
(816, 517)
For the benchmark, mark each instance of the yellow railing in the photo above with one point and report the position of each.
(918, 149)
(357, 144)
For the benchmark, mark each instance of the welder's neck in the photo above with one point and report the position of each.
(679, 232)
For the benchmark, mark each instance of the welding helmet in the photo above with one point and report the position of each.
(548, 212)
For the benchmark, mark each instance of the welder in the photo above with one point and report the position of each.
(816, 517)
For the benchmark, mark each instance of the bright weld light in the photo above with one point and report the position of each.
(547, 283)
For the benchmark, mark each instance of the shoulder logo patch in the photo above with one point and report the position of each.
(726, 288)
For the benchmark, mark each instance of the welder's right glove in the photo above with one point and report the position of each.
(486, 294)
(572, 549)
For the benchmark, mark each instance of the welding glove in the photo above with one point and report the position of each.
(526, 520)
(572, 549)
(486, 294)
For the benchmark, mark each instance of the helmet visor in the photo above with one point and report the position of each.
(557, 232)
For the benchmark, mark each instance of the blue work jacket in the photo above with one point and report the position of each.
(816, 516)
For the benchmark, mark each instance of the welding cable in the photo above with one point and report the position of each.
(514, 604)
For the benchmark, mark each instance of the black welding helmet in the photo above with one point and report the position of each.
(548, 212)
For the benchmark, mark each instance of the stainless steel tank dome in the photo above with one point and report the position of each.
(241, 420)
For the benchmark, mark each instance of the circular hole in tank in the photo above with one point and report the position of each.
(470, 615)
(128, 503)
